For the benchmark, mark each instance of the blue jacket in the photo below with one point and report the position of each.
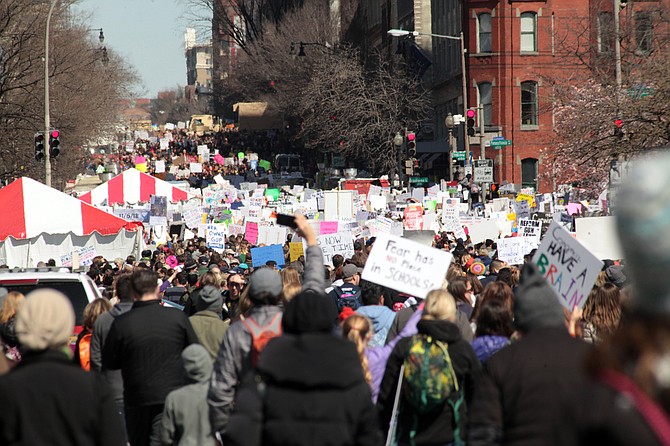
(382, 318)
(485, 346)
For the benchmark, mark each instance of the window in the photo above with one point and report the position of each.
(528, 32)
(643, 31)
(528, 104)
(605, 32)
(485, 101)
(529, 173)
(484, 26)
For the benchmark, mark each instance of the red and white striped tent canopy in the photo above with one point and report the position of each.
(132, 187)
(30, 208)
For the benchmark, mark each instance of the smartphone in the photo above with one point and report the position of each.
(286, 220)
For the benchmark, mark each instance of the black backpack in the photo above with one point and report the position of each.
(348, 296)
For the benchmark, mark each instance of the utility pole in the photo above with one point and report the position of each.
(617, 53)
(465, 98)
(47, 119)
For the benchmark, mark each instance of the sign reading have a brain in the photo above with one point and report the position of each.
(568, 267)
(406, 266)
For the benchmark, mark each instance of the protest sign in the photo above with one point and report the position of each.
(530, 228)
(328, 227)
(295, 251)
(406, 266)
(340, 243)
(272, 194)
(85, 256)
(251, 232)
(195, 167)
(598, 235)
(338, 204)
(159, 166)
(264, 164)
(133, 214)
(568, 267)
(413, 218)
(158, 215)
(216, 236)
(522, 209)
(262, 255)
(511, 250)
(203, 153)
(235, 229)
(481, 230)
(271, 235)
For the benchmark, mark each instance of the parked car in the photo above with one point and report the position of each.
(78, 287)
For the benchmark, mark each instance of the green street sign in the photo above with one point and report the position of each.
(418, 180)
(460, 156)
(500, 142)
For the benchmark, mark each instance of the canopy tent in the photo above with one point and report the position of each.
(133, 186)
(40, 223)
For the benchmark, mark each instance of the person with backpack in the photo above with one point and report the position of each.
(349, 293)
(246, 337)
(439, 371)
(309, 387)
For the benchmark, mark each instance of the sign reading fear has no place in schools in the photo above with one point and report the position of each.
(406, 266)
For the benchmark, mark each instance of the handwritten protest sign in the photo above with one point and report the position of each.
(522, 209)
(195, 167)
(569, 268)
(340, 243)
(413, 218)
(251, 232)
(133, 214)
(216, 236)
(512, 250)
(328, 227)
(295, 251)
(406, 266)
(262, 255)
(530, 228)
(85, 255)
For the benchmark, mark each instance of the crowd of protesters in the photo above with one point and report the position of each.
(315, 355)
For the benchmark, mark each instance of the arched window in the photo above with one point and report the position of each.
(486, 101)
(484, 33)
(528, 104)
(528, 32)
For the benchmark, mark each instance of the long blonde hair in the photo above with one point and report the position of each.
(291, 282)
(10, 306)
(357, 329)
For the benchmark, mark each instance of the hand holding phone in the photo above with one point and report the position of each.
(286, 220)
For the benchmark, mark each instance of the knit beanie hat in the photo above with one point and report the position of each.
(310, 312)
(643, 223)
(535, 303)
(265, 280)
(45, 320)
(209, 298)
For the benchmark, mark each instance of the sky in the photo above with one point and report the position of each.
(149, 34)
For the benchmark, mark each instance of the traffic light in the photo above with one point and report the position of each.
(54, 143)
(471, 121)
(618, 128)
(494, 188)
(409, 167)
(411, 143)
(39, 146)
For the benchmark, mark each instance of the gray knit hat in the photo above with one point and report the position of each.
(535, 303)
(643, 222)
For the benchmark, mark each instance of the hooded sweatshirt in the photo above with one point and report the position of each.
(185, 415)
(382, 319)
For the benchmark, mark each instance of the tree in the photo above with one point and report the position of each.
(586, 107)
(84, 91)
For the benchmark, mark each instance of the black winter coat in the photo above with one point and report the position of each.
(146, 344)
(437, 427)
(525, 389)
(312, 393)
(48, 400)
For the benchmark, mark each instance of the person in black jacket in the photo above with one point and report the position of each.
(437, 427)
(308, 388)
(46, 399)
(146, 344)
(527, 384)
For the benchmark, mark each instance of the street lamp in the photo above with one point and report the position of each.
(47, 120)
(398, 141)
(409, 34)
(302, 45)
(450, 123)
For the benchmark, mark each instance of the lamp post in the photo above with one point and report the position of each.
(464, 83)
(302, 45)
(398, 142)
(47, 119)
(449, 122)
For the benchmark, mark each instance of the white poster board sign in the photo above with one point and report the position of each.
(512, 250)
(568, 267)
(340, 243)
(599, 235)
(406, 266)
(216, 236)
(530, 228)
